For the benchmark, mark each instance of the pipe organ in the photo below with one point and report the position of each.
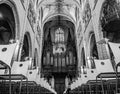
(59, 55)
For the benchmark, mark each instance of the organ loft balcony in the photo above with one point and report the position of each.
(59, 48)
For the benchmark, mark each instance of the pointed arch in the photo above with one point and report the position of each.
(93, 46)
(110, 20)
(8, 8)
(27, 47)
(8, 22)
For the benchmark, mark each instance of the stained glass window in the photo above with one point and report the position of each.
(59, 46)
(59, 35)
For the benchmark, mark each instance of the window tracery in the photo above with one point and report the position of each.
(59, 46)
(59, 35)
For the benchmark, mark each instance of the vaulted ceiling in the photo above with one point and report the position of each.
(68, 8)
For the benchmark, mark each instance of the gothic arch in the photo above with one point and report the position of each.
(27, 47)
(50, 17)
(92, 46)
(109, 20)
(11, 4)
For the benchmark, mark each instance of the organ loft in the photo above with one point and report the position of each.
(59, 47)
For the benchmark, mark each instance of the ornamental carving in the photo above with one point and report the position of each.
(87, 14)
(110, 12)
(31, 14)
(24, 3)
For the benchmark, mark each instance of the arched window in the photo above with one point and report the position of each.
(93, 47)
(7, 24)
(59, 46)
(26, 48)
(59, 35)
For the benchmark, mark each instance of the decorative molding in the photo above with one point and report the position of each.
(110, 12)
(31, 15)
(86, 14)
(24, 2)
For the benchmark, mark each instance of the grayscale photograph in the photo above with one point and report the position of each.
(59, 46)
